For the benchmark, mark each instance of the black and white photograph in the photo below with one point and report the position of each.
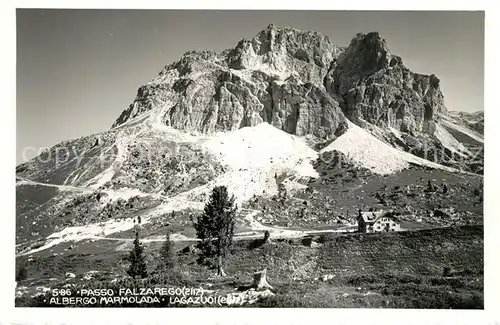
(249, 158)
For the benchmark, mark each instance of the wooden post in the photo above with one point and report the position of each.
(220, 270)
(260, 280)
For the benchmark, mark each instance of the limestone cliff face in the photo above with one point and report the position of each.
(297, 81)
(372, 85)
(283, 51)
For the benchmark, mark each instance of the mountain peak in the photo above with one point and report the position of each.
(278, 44)
(290, 34)
(295, 80)
(369, 52)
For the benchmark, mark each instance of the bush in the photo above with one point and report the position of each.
(21, 274)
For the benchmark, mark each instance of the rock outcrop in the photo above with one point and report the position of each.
(373, 85)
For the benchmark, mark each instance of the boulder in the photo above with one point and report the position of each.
(70, 275)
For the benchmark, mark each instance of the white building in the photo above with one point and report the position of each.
(379, 221)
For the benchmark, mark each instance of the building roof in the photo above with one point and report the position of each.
(373, 216)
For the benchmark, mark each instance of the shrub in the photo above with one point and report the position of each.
(21, 274)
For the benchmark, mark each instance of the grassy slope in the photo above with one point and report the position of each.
(341, 190)
(392, 270)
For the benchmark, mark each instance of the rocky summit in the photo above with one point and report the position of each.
(372, 85)
(305, 134)
(297, 81)
(276, 77)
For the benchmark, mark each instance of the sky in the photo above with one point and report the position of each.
(77, 70)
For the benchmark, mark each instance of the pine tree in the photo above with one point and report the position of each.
(167, 259)
(215, 227)
(137, 260)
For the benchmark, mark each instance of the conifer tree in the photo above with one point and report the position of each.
(215, 227)
(138, 268)
(167, 259)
